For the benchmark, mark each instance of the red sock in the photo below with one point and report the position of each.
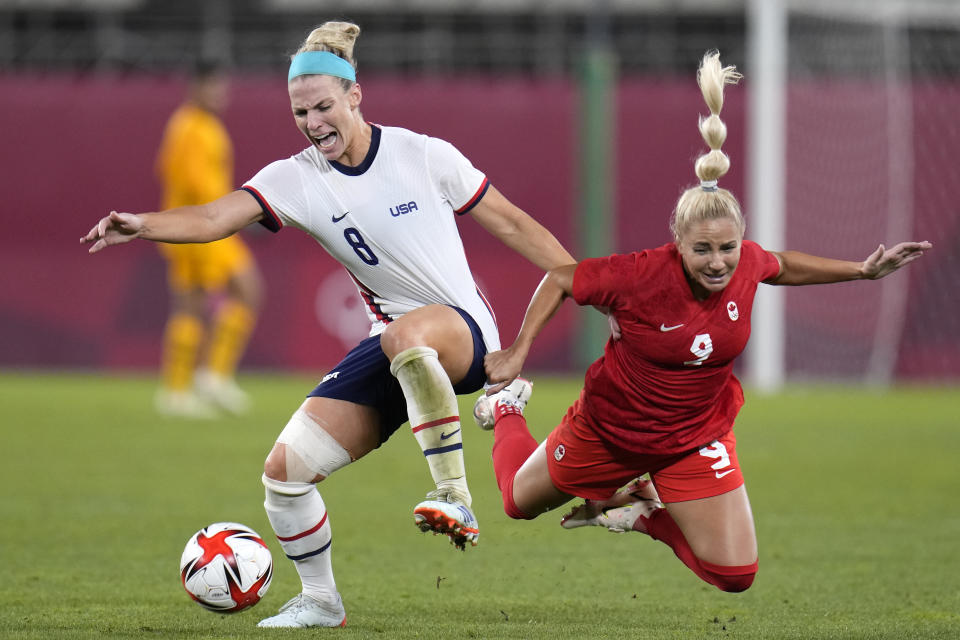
(512, 445)
(661, 526)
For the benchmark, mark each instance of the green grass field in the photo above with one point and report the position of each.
(855, 494)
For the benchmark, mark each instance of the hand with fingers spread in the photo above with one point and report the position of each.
(116, 228)
(885, 261)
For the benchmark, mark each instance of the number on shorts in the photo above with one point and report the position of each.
(360, 247)
(716, 450)
(702, 347)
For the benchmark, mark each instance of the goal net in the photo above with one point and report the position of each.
(872, 122)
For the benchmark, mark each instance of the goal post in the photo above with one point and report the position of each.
(766, 166)
(851, 127)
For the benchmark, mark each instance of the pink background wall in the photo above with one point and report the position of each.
(76, 146)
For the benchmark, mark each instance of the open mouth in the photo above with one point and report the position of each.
(327, 140)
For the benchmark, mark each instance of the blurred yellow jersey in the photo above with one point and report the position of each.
(195, 166)
(195, 163)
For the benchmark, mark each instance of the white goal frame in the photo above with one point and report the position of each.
(767, 52)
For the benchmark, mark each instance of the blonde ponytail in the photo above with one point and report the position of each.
(706, 201)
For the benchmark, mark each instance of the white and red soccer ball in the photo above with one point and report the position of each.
(226, 567)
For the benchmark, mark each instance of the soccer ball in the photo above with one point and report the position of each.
(226, 567)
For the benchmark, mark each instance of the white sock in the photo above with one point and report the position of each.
(301, 524)
(434, 416)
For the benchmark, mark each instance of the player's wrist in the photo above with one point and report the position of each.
(865, 272)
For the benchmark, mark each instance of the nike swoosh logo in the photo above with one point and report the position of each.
(664, 327)
(720, 475)
(444, 436)
(339, 218)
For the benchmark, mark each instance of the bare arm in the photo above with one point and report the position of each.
(529, 238)
(199, 223)
(512, 226)
(503, 366)
(800, 268)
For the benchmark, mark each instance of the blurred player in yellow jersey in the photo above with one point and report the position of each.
(215, 288)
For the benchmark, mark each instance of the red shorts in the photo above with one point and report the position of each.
(584, 465)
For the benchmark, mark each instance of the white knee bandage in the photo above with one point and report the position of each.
(286, 488)
(310, 449)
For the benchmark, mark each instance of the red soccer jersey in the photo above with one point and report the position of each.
(667, 385)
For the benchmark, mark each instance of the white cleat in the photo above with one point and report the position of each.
(447, 515)
(222, 392)
(619, 512)
(306, 611)
(183, 404)
(616, 519)
(515, 394)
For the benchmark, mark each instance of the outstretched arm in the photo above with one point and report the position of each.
(516, 229)
(503, 366)
(200, 223)
(800, 268)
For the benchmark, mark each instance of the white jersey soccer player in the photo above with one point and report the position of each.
(388, 221)
(383, 201)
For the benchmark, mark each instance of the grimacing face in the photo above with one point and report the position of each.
(710, 250)
(328, 115)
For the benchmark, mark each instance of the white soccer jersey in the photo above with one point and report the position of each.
(388, 221)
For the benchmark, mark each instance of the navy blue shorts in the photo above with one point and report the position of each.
(363, 377)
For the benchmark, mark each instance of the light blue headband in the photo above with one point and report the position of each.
(321, 63)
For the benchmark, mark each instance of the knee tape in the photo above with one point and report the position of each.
(286, 488)
(409, 355)
(310, 449)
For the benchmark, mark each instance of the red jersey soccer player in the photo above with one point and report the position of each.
(663, 398)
